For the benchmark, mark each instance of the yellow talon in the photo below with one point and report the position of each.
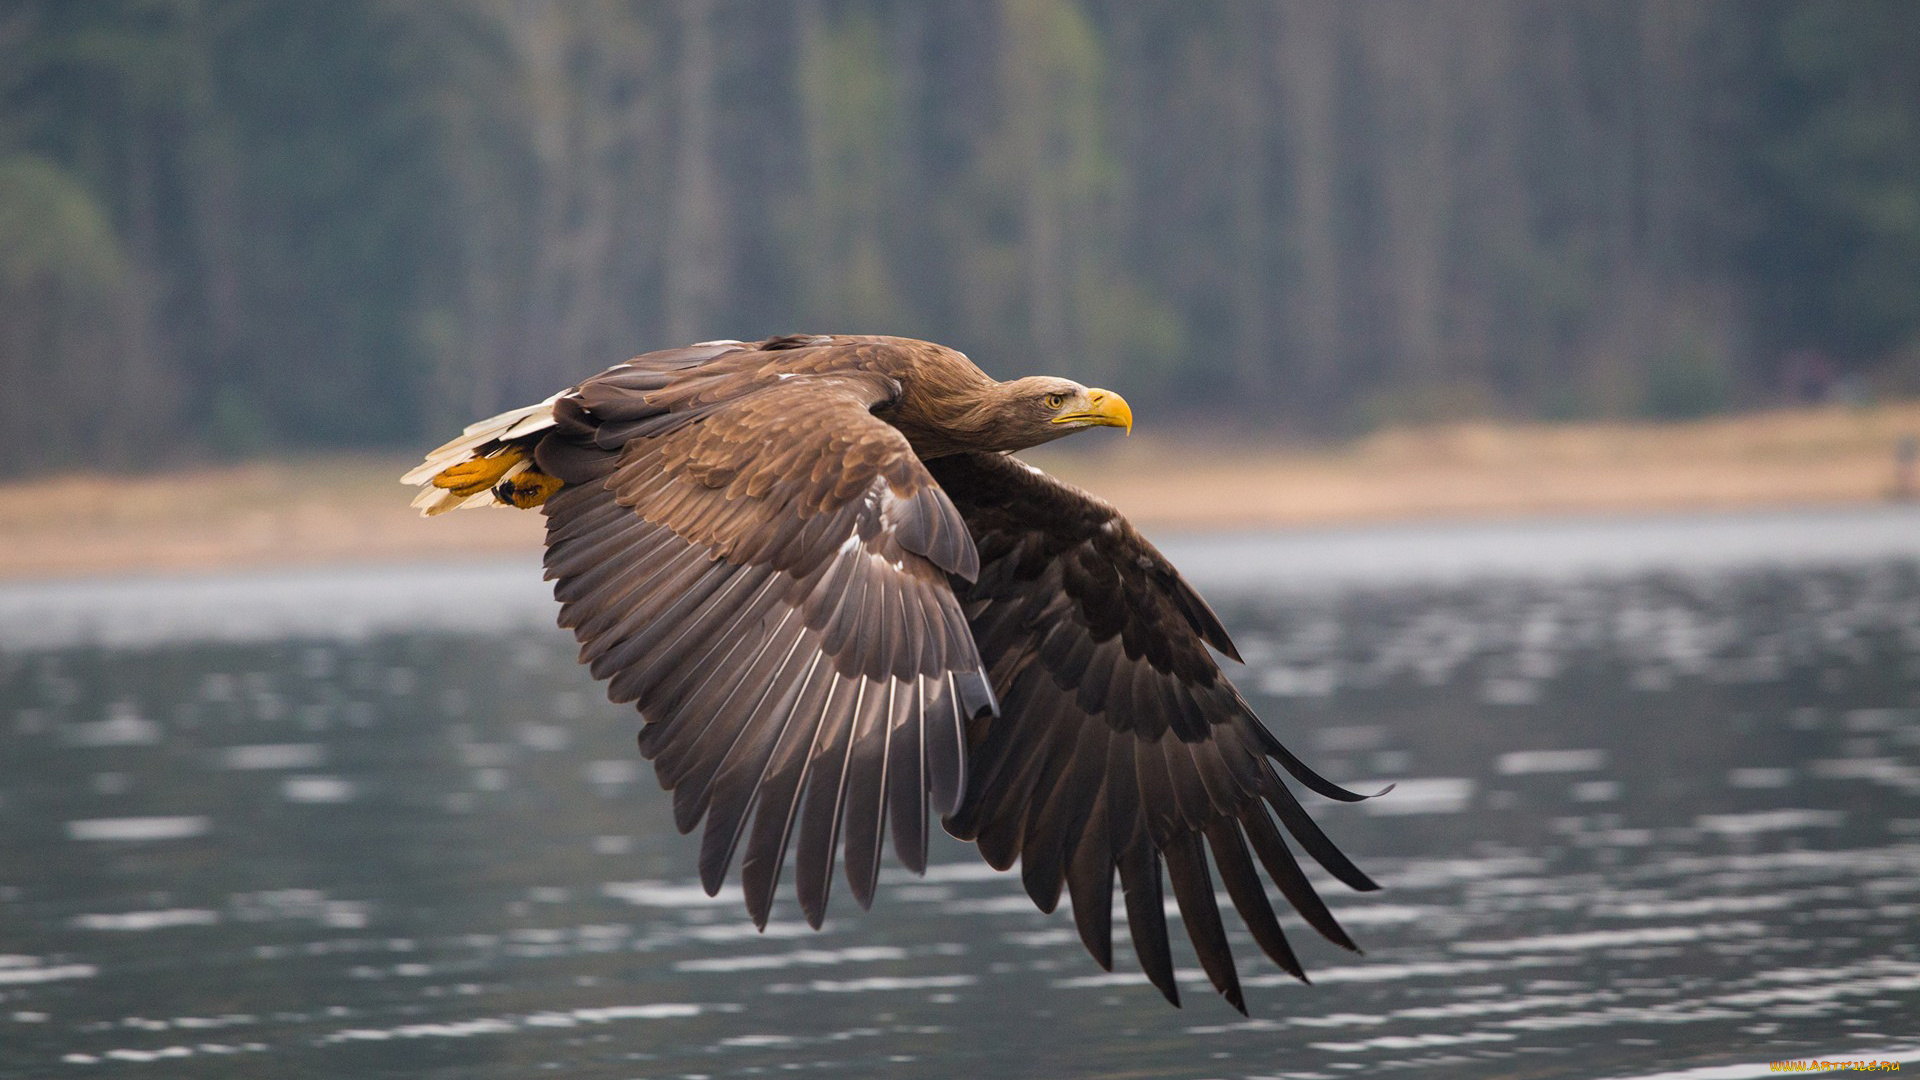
(527, 490)
(476, 476)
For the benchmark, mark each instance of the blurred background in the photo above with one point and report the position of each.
(1349, 261)
(229, 227)
(1534, 388)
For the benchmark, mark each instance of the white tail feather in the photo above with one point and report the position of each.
(513, 424)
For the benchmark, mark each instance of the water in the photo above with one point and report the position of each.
(1649, 821)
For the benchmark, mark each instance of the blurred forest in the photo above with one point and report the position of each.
(231, 226)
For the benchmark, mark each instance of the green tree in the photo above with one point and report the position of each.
(1833, 158)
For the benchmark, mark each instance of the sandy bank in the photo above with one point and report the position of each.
(349, 509)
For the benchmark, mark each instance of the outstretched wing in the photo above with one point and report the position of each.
(762, 567)
(1119, 743)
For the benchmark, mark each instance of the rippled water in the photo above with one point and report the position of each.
(1647, 823)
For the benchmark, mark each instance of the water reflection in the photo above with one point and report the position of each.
(1642, 824)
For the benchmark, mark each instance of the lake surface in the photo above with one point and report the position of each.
(1658, 815)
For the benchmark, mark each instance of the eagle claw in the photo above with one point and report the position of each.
(479, 474)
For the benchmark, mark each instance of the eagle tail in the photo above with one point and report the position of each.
(490, 464)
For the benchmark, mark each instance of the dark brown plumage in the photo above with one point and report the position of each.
(838, 604)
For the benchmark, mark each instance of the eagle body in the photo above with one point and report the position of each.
(840, 605)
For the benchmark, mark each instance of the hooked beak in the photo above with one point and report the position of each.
(1104, 409)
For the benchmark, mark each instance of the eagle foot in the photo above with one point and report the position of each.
(478, 474)
(528, 489)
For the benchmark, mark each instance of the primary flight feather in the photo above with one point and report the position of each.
(839, 603)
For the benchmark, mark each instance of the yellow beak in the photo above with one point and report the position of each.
(1104, 409)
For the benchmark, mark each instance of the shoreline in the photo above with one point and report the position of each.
(494, 595)
(350, 509)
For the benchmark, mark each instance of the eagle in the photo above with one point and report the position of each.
(840, 604)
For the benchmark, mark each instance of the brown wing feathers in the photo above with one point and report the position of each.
(765, 576)
(1120, 745)
(815, 629)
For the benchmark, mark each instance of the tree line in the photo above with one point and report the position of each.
(230, 226)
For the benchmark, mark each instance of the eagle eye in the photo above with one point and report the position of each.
(1054, 401)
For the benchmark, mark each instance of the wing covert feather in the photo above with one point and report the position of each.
(763, 568)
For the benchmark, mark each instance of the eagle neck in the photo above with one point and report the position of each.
(953, 411)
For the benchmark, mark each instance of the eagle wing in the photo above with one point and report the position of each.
(1119, 743)
(758, 563)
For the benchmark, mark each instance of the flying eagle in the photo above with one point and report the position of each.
(838, 602)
